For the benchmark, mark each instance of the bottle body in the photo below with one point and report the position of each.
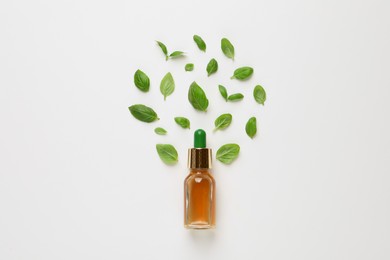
(199, 199)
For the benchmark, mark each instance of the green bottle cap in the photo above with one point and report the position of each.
(200, 138)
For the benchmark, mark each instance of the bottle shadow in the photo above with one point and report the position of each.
(203, 238)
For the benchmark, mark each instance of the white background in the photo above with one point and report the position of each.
(80, 177)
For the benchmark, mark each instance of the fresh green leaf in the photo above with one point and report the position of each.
(197, 97)
(167, 85)
(176, 54)
(251, 127)
(167, 153)
(160, 131)
(199, 41)
(223, 121)
(228, 153)
(212, 67)
(236, 97)
(259, 94)
(189, 67)
(242, 73)
(223, 92)
(227, 48)
(163, 48)
(141, 81)
(143, 113)
(183, 122)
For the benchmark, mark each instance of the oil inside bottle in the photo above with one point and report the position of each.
(199, 190)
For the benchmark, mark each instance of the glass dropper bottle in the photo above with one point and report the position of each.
(199, 186)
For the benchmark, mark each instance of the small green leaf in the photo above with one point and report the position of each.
(212, 67)
(227, 48)
(183, 122)
(167, 85)
(242, 73)
(223, 121)
(189, 67)
(236, 97)
(176, 54)
(223, 92)
(141, 81)
(259, 94)
(163, 48)
(143, 113)
(228, 153)
(199, 41)
(197, 97)
(251, 127)
(167, 153)
(160, 131)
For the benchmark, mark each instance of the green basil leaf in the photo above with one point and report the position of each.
(183, 122)
(141, 81)
(227, 48)
(167, 153)
(223, 92)
(199, 41)
(242, 73)
(143, 113)
(176, 54)
(189, 67)
(212, 67)
(236, 97)
(167, 85)
(251, 127)
(163, 48)
(223, 121)
(228, 153)
(160, 131)
(197, 97)
(259, 94)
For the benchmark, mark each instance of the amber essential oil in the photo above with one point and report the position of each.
(199, 186)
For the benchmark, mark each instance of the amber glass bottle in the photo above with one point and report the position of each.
(199, 186)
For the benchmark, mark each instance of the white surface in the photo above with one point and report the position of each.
(80, 179)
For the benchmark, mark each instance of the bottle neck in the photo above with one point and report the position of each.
(200, 170)
(199, 158)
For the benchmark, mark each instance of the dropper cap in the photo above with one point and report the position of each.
(200, 138)
(199, 157)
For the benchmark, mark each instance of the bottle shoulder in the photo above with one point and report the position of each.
(193, 174)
